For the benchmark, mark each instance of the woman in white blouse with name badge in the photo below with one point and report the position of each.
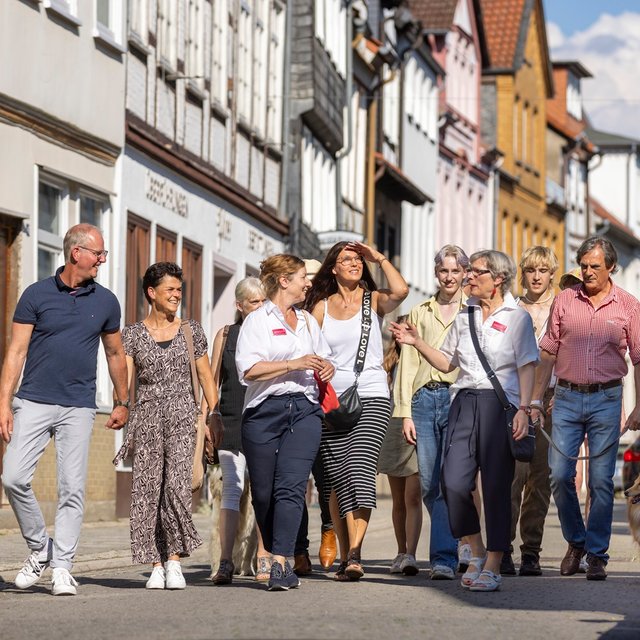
(478, 431)
(279, 349)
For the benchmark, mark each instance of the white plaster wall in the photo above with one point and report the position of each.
(60, 71)
(223, 231)
(608, 183)
(419, 124)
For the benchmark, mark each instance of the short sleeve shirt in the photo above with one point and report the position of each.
(590, 344)
(507, 339)
(266, 337)
(63, 350)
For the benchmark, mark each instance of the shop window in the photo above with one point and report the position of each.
(165, 245)
(138, 256)
(192, 280)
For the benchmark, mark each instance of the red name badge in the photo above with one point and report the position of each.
(279, 332)
(499, 327)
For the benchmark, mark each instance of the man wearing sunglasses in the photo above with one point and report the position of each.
(57, 327)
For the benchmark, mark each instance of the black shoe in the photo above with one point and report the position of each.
(225, 573)
(282, 579)
(530, 565)
(290, 577)
(596, 568)
(507, 568)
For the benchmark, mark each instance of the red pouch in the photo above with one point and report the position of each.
(326, 395)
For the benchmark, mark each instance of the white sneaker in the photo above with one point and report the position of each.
(464, 557)
(582, 568)
(157, 579)
(34, 566)
(409, 566)
(395, 565)
(175, 579)
(442, 572)
(63, 583)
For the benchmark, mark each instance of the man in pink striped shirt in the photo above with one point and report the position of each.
(591, 328)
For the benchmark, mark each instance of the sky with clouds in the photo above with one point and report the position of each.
(605, 37)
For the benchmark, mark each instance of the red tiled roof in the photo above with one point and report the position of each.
(502, 23)
(434, 14)
(557, 115)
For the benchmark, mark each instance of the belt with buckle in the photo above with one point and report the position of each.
(588, 388)
(433, 385)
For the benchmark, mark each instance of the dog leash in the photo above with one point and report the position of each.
(576, 458)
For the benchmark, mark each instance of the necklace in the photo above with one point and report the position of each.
(457, 300)
(549, 296)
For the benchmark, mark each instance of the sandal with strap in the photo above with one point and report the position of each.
(474, 569)
(340, 575)
(486, 581)
(264, 569)
(354, 568)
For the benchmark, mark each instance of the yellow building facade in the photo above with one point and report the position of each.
(515, 91)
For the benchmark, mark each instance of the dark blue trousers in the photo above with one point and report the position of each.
(280, 439)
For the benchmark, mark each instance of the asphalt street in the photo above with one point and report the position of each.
(112, 602)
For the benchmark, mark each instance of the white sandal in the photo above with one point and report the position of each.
(473, 571)
(487, 581)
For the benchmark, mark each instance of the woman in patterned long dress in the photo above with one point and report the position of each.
(161, 428)
(351, 459)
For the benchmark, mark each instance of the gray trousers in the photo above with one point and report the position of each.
(34, 424)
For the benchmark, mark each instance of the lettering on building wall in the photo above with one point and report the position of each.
(224, 225)
(260, 244)
(160, 191)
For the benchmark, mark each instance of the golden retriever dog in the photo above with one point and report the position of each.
(633, 509)
(246, 542)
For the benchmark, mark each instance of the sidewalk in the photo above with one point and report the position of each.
(105, 545)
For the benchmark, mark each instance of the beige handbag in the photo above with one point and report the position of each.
(199, 460)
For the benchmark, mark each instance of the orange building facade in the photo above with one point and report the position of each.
(516, 88)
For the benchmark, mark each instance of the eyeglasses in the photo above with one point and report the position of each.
(348, 261)
(478, 272)
(97, 254)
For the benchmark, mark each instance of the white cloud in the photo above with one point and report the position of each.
(555, 36)
(610, 50)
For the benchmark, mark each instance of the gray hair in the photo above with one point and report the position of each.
(451, 251)
(248, 287)
(500, 265)
(610, 253)
(77, 236)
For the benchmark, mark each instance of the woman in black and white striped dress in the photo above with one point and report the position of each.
(350, 459)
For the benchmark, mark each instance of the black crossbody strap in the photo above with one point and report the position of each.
(493, 379)
(361, 354)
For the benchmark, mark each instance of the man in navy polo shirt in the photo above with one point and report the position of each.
(57, 327)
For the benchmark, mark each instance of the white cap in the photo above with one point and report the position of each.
(312, 266)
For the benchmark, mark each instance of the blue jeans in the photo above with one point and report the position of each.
(598, 416)
(430, 414)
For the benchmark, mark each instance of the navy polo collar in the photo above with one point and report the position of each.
(89, 285)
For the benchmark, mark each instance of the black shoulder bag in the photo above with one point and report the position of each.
(346, 416)
(521, 450)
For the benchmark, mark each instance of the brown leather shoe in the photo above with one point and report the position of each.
(595, 568)
(302, 565)
(328, 548)
(571, 561)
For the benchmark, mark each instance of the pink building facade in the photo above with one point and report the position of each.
(464, 202)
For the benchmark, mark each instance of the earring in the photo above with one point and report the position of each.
(493, 293)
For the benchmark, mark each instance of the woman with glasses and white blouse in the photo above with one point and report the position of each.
(478, 430)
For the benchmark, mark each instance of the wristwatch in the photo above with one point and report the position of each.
(121, 403)
(526, 408)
